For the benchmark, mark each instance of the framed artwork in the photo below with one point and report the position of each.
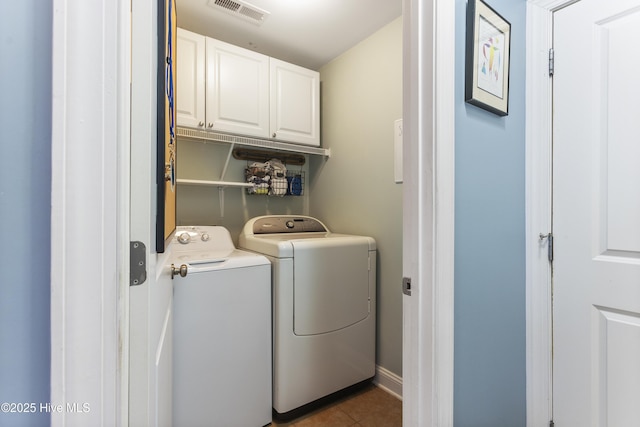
(166, 120)
(487, 58)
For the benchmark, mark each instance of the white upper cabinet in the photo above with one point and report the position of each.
(221, 86)
(237, 90)
(226, 88)
(295, 103)
(190, 105)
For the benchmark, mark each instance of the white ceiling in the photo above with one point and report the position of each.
(309, 33)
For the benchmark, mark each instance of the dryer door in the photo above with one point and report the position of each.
(331, 284)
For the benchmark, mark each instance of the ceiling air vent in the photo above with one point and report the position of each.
(241, 9)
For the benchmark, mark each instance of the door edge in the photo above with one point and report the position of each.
(539, 39)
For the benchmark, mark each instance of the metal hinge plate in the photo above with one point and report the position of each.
(137, 263)
(551, 62)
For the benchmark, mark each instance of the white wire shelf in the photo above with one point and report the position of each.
(214, 183)
(214, 136)
(220, 185)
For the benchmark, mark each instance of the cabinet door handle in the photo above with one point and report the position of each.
(274, 135)
(200, 124)
(210, 125)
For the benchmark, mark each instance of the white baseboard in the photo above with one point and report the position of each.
(388, 381)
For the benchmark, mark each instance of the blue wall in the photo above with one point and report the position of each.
(25, 207)
(490, 369)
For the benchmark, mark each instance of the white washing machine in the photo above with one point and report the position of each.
(324, 309)
(222, 353)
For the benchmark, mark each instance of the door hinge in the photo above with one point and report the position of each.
(551, 62)
(551, 424)
(406, 286)
(137, 263)
(549, 237)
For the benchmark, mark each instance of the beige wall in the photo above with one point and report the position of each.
(354, 191)
(199, 205)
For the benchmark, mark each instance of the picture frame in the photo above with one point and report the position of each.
(488, 43)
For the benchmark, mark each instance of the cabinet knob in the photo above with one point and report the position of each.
(274, 135)
(200, 124)
(210, 125)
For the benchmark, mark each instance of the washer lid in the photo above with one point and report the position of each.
(283, 245)
(201, 262)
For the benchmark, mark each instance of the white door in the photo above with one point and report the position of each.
(150, 303)
(596, 214)
(151, 341)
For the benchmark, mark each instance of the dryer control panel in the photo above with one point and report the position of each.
(287, 224)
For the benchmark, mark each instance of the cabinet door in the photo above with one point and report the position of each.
(295, 103)
(237, 89)
(190, 79)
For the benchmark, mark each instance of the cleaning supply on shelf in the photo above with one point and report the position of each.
(278, 178)
(294, 184)
(273, 178)
(258, 174)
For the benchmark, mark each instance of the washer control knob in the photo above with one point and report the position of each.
(289, 224)
(205, 237)
(184, 238)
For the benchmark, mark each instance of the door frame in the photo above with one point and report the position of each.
(428, 205)
(90, 212)
(95, 249)
(539, 131)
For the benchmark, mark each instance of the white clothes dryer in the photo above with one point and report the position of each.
(221, 332)
(324, 309)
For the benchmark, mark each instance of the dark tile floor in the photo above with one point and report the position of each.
(370, 407)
